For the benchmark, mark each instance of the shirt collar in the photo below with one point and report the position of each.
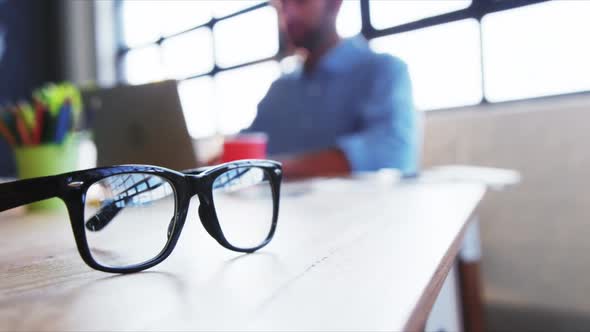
(343, 55)
(340, 58)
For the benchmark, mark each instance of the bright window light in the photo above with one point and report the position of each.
(180, 15)
(145, 21)
(537, 50)
(444, 63)
(247, 37)
(196, 96)
(188, 54)
(143, 65)
(239, 91)
(140, 22)
(389, 13)
(349, 21)
(228, 7)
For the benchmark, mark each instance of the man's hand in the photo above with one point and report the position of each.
(329, 162)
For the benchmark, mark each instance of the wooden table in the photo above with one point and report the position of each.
(348, 255)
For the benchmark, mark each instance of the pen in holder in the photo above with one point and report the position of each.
(42, 135)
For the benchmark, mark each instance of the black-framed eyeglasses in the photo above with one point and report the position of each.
(128, 218)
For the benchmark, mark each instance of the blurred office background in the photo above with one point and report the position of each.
(501, 83)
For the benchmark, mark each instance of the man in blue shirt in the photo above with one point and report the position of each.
(346, 110)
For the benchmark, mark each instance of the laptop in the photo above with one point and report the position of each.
(140, 124)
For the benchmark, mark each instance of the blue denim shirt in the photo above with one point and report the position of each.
(354, 100)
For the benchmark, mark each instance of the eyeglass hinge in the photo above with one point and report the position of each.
(75, 184)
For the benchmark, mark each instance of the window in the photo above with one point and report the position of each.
(181, 15)
(225, 53)
(197, 97)
(349, 20)
(139, 18)
(444, 63)
(227, 7)
(143, 65)
(225, 104)
(247, 37)
(385, 13)
(238, 92)
(537, 50)
(175, 39)
(188, 54)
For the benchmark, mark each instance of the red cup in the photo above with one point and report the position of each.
(244, 146)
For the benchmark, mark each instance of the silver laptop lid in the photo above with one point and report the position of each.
(141, 124)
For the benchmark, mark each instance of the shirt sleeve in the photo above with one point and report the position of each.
(388, 135)
(262, 121)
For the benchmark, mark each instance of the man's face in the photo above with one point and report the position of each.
(305, 21)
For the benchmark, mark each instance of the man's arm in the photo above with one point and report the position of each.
(388, 137)
(329, 162)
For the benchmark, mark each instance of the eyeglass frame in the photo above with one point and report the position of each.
(71, 188)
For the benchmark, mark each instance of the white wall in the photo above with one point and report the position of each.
(536, 248)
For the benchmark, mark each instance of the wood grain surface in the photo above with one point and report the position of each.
(348, 255)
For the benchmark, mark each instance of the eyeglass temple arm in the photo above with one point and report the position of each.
(110, 210)
(103, 217)
(23, 192)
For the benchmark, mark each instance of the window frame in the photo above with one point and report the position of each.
(122, 49)
(477, 10)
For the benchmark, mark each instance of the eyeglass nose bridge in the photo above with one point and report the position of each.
(201, 189)
(209, 220)
(197, 187)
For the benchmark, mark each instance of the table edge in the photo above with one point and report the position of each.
(419, 314)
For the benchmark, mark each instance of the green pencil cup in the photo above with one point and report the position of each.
(44, 160)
